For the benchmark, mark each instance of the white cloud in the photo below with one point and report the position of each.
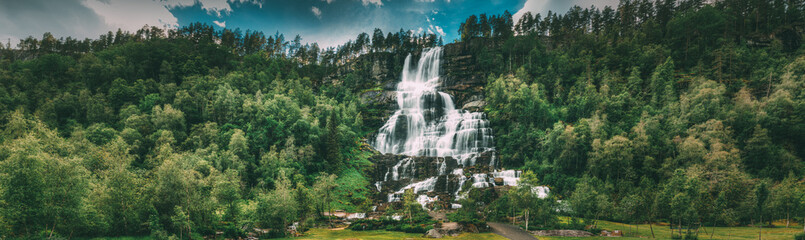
(433, 28)
(20, 19)
(533, 6)
(90, 18)
(440, 30)
(132, 15)
(375, 2)
(559, 6)
(316, 11)
(216, 8)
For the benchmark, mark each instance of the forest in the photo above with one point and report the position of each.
(686, 112)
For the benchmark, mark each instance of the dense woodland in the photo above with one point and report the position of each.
(654, 111)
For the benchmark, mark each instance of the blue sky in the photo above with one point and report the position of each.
(328, 22)
(337, 21)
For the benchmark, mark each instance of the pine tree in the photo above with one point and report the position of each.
(662, 88)
(333, 143)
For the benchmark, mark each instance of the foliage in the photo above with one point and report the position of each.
(683, 111)
(654, 110)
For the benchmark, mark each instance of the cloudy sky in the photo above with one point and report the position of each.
(328, 22)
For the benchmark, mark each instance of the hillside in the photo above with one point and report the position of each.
(684, 112)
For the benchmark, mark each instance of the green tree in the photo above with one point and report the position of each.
(410, 205)
(785, 198)
(525, 196)
(122, 201)
(181, 221)
(612, 159)
(587, 202)
(277, 208)
(323, 188)
(662, 84)
(23, 186)
(332, 143)
(227, 191)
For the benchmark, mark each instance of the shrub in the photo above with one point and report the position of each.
(371, 224)
(799, 236)
(409, 228)
(231, 230)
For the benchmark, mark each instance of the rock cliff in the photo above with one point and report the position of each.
(378, 73)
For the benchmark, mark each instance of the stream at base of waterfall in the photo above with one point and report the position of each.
(427, 123)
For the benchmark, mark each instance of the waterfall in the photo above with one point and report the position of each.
(427, 123)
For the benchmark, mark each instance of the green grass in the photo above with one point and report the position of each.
(705, 233)
(118, 238)
(633, 233)
(318, 233)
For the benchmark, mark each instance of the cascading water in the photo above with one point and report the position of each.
(427, 123)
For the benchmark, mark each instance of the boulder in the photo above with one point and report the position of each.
(452, 228)
(475, 106)
(434, 233)
(448, 229)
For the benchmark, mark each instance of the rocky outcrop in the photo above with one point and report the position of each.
(475, 106)
(451, 229)
(461, 76)
(394, 172)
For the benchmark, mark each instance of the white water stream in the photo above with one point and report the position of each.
(427, 123)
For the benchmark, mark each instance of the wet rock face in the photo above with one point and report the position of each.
(432, 106)
(461, 77)
(393, 172)
(379, 98)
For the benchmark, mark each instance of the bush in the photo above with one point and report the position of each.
(276, 233)
(799, 236)
(409, 228)
(690, 236)
(231, 230)
(370, 224)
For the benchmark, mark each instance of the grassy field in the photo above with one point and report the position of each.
(118, 238)
(631, 232)
(318, 233)
(664, 232)
(327, 234)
